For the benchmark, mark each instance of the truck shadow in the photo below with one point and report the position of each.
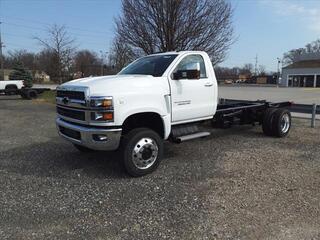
(59, 159)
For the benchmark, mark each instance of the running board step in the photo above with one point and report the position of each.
(191, 136)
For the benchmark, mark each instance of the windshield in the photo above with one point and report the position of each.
(151, 65)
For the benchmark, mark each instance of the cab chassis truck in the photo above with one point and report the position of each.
(17, 87)
(157, 98)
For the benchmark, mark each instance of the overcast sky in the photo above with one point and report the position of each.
(267, 28)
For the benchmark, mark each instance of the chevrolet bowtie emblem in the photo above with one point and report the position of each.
(65, 100)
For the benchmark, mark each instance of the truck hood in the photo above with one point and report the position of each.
(120, 84)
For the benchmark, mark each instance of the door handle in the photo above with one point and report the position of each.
(208, 84)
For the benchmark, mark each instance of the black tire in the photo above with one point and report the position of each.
(23, 95)
(82, 148)
(11, 90)
(31, 94)
(281, 123)
(149, 155)
(267, 122)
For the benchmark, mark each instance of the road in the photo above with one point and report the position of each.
(297, 95)
(235, 184)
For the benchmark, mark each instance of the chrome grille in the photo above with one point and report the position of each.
(77, 95)
(71, 113)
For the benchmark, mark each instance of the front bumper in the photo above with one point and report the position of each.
(87, 136)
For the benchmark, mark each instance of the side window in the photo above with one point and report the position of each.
(191, 60)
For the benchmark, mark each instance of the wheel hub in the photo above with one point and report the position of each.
(285, 123)
(145, 153)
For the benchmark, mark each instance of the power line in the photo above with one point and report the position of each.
(32, 38)
(67, 26)
(48, 24)
(45, 30)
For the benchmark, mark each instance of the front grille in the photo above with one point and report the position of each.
(70, 133)
(71, 113)
(71, 94)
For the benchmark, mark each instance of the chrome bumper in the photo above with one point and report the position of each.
(86, 136)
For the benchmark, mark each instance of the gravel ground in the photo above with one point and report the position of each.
(235, 184)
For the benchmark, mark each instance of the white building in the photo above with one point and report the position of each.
(302, 73)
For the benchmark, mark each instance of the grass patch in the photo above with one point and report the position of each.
(47, 96)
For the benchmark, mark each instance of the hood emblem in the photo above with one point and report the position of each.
(65, 100)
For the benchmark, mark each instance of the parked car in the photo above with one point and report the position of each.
(228, 81)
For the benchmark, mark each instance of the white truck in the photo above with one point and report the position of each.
(11, 87)
(17, 87)
(160, 97)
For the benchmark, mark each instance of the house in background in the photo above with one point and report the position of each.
(40, 76)
(7, 73)
(304, 72)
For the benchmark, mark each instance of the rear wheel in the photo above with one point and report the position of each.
(281, 123)
(268, 121)
(31, 94)
(142, 151)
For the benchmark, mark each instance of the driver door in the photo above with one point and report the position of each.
(192, 99)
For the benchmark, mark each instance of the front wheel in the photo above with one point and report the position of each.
(142, 151)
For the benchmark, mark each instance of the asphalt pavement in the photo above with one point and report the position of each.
(235, 184)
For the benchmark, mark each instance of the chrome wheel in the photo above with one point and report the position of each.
(145, 153)
(285, 123)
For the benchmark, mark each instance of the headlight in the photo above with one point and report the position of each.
(101, 109)
(101, 102)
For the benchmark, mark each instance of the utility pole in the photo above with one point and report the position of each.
(278, 78)
(256, 65)
(104, 56)
(1, 56)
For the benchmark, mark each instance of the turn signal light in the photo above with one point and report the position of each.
(107, 116)
(102, 116)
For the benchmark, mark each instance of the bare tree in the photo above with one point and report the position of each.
(247, 69)
(262, 70)
(175, 25)
(61, 45)
(224, 73)
(121, 54)
(23, 57)
(87, 63)
(295, 55)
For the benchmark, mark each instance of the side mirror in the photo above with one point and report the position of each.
(186, 74)
(192, 72)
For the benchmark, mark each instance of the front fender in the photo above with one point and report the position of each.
(166, 118)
